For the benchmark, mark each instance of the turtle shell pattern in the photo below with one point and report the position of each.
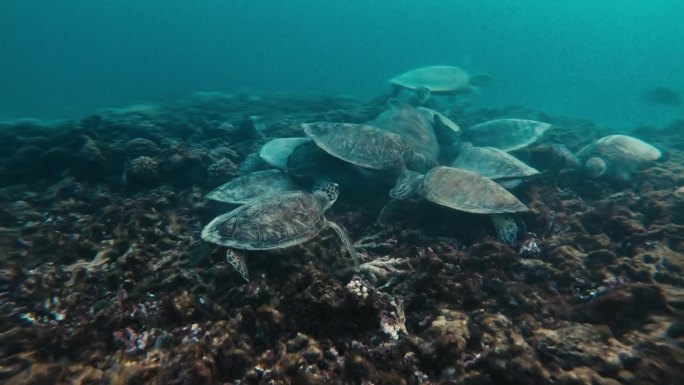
(435, 78)
(410, 123)
(621, 151)
(360, 144)
(506, 134)
(278, 221)
(468, 191)
(247, 188)
(492, 163)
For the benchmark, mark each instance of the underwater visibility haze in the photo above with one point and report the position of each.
(587, 58)
(341, 192)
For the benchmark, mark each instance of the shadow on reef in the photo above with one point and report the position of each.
(104, 278)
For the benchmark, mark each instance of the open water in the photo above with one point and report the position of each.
(589, 58)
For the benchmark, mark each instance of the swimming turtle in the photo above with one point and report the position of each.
(616, 156)
(250, 187)
(277, 221)
(415, 128)
(505, 134)
(464, 191)
(360, 144)
(494, 164)
(440, 79)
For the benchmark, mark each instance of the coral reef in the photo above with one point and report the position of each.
(104, 279)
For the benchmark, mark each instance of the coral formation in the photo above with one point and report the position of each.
(104, 279)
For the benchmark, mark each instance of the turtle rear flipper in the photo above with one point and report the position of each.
(482, 79)
(407, 185)
(346, 241)
(238, 263)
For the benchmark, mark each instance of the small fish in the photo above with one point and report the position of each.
(662, 95)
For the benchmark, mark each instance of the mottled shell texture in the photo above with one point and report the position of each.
(467, 191)
(359, 144)
(411, 124)
(492, 163)
(277, 221)
(506, 134)
(250, 187)
(621, 149)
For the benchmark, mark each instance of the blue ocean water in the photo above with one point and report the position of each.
(67, 58)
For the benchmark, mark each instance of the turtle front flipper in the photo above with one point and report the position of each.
(346, 241)
(407, 185)
(238, 263)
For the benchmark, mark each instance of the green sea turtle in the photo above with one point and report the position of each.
(495, 164)
(464, 191)
(505, 134)
(617, 156)
(448, 133)
(361, 144)
(276, 152)
(250, 187)
(300, 156)
(440, 79)
(415, 128)
(274, 222)
(440, 122)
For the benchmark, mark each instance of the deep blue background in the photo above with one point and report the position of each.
(66, 58)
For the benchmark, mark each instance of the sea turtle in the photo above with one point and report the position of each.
(464, 191)
(250, 187)
(274, 222)
(415, 128)
(616, 156)
(448, 133)
(275, 152)
(360, 144)
(505, 134)
(497, 165)
(440, 79)
(300, 156)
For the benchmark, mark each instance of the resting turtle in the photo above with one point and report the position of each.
(360, 144)
(464, 191)
(505, 134)
(415, 128)
(494, 164)
(250, 187)
(448, 133)
(616, 156)
(275, 222)
(440, 79)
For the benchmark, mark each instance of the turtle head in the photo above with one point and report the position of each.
(326, 194)
(595, 167)
(420, 96)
